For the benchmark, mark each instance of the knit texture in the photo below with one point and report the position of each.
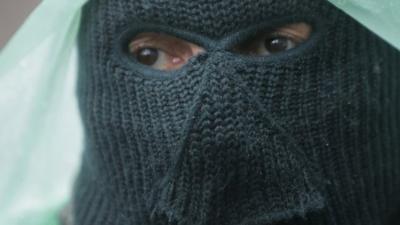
(310, 136)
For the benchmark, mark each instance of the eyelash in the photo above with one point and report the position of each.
(287, 35)
(152, 45)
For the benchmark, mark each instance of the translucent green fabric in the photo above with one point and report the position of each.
(380, 16)
(40, 132)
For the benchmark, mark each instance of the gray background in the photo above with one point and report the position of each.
(12, 15)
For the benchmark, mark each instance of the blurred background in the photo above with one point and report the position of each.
(12, 15)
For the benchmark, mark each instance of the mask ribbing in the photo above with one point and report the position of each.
(305, 137)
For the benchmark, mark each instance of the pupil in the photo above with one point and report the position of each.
(147, 56)
(278, 44)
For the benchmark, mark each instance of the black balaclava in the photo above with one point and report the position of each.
(307, 136)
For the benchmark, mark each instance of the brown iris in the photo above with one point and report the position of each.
(147, 56)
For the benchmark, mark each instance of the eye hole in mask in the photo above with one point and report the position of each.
(276, 40)
(165, 52)
(162, 51)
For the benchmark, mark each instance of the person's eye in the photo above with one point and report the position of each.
(276, 41)
(162, 51)
(157, 58)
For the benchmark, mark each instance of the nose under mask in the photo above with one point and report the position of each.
(307, 136)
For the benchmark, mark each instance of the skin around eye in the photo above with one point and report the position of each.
(165, 52)
(161, 51)
(275, 41)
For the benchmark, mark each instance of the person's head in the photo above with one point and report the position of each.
(235, 112)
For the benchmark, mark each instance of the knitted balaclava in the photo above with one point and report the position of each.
(306, 136)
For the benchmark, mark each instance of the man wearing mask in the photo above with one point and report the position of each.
(235, 112)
